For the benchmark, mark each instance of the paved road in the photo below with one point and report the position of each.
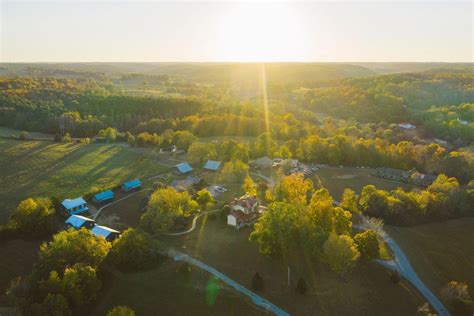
(258, 300)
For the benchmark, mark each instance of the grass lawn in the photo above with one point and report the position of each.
(337, 179)
(7, 132)
(439, 252)
(367, 290)
(16, 258)
(165, 291)
(67, 170)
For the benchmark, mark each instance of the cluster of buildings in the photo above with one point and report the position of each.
(290, 165)
(74, 207)
(244, 211)
(411, 176)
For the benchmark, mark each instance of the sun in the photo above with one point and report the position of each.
(261, 32)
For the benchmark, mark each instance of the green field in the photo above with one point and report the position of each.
(67, 170)
(439, 252)
(337, 179)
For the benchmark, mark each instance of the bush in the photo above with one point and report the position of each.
(24, 136)
(121, 311)
(301, 286)
(257, 282)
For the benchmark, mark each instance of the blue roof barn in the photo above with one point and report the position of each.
(104, 196)
(184, 167)
(130, 185)
(108, 233)
(212, 165)
(75, 206)
(78, 221)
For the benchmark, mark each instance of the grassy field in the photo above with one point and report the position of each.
(38, 168)
(17, 258)
(164, 291)
(439, 252)
(367, 291)
(8, 132)
(337, 179)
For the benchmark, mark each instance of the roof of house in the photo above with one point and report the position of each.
(212, 165)
(243, 217)
(77, 221)
(246, 201)
(392, 171)
(184, 167)
(132, 184)
(103, 231)
(104, 195)
(72, 203)
(186, 183)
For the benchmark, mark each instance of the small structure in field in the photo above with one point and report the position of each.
(393, 174)
(104, 196)
(78, 221)
(422, 180)
(406, 126)
(186, 184)
(212, 165)
(184, 168)
(75, 206)
(108, 233)
(131, 185)
(169, 150)
(244, 211)
(262, 163)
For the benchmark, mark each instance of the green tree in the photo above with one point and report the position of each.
(184, 139)
(200, 152)
(164, 207)
(349, 201)
(53, 305)
(204, 199)
(367, 244)
(340, 253)
(134, 251)
(34, 217)
(121, 311)
(69, 247)
(234, 171)
(265, 145)
(294, 189)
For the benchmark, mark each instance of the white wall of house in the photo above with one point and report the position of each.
(231, 220)
(237, 207)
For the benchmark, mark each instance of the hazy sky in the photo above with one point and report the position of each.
(230, 31)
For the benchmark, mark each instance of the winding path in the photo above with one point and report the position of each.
(96, 214)
(258, 300)
(193, 226)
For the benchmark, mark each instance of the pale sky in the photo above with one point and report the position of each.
(128, 31)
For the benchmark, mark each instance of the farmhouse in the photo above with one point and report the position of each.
(212, 165)
(244, 211)
(78, 221)
(131, 185)
(103, 196)
(184, 168)
(108, 233)
(262, 163)
(75, 206)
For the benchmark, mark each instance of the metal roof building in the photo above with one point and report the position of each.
(104, 196)
(106, 232)
(212, 165)
(130, 185)
(78, 221)
(74, 206)
(184, 167)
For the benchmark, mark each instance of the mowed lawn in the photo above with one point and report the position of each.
(337, 179)
(67, 170)
(366, 291)
(439, 252)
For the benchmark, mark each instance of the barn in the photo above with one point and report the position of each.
(103, 196)
(131, 185)
(108, 233)
(78, 221)
(75, 206)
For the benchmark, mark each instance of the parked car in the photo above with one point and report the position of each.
(220, 189)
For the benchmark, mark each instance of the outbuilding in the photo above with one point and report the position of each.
(78, 221)
(131, 185)
(212, 165)
(75, 206)
(104, 196)
(184, 168)
(108, 233)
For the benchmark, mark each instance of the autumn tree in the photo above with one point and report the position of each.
(34, 217)
(200, 152)
(234, 171)
(367, 244)
(340, 253)
(204, 199)
(164, 207)
(249, 186)
(184, 139)
(349, 201)
(293, 189)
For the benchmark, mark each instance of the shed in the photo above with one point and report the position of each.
(184, 167)
(212, 165)
(104, 196)
(130, 185)
(75, 206)
(78, 221)
(108, 233)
